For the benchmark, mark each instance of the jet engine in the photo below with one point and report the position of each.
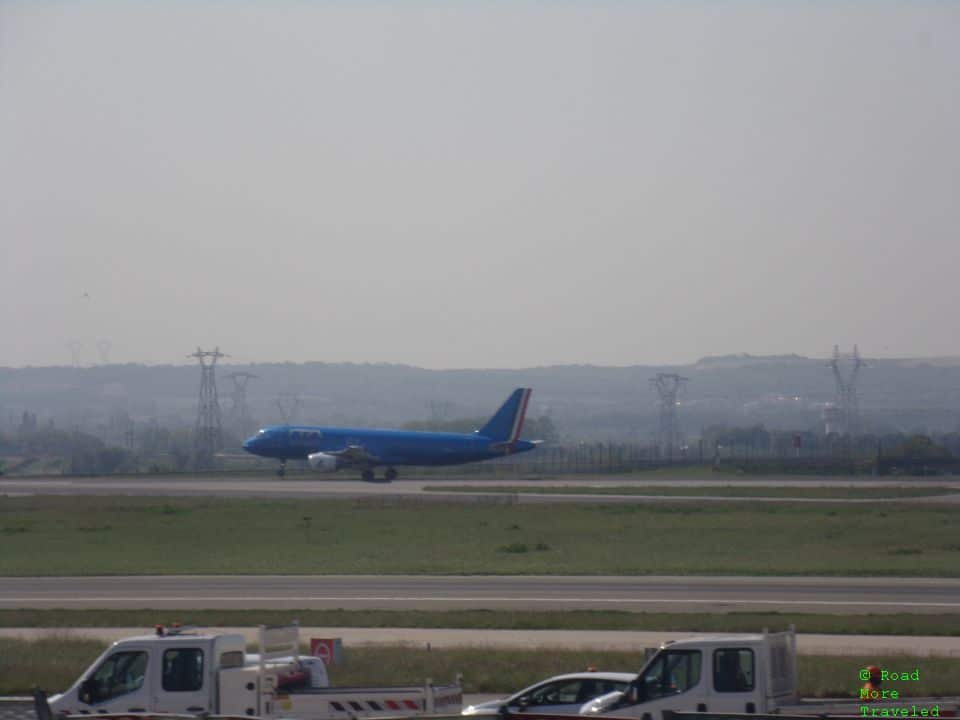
(324, 462)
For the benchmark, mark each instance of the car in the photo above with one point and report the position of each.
(560, 694)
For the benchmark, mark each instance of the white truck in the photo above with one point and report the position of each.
(187, 672)
(742, 674)
(717, 674)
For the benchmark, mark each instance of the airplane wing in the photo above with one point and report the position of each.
(356, 455)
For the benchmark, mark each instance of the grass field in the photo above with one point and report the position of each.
(140, 535)
(898, 624)
(53, 664)
(717, 491)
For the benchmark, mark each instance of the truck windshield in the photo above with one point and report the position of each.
(672, 672)
(119, 674)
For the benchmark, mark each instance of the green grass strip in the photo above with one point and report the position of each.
(865, 624)
(91, 535)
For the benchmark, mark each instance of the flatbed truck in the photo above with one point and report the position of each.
(739, 674)
(187, 672)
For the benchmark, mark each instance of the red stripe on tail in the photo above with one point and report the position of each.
(521, 416)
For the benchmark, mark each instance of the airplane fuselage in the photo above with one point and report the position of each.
(328, 449)
(391, 447)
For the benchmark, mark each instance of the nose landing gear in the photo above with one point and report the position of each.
(283, 468)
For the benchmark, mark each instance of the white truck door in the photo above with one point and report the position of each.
(181, 679)
(674, 680)
(734, 686)
(119, 684)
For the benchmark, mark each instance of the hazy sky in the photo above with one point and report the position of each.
(478, 184)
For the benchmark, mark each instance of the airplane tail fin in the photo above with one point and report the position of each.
(507, 422)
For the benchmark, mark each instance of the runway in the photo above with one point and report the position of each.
(649, 593)
(345, 488)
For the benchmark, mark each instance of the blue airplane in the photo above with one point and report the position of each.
(330, 449)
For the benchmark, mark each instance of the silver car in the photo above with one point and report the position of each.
(556, 695)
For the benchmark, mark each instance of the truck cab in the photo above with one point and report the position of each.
(186, 672)
(173, 673)
(749, 673)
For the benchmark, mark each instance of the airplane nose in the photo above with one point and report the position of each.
(250, 444)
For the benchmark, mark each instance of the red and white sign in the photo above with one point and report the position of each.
(330, 650)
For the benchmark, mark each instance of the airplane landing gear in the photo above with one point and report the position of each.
(283, 468)
(390, 475)
(367, 475)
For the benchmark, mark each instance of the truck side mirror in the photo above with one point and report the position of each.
(88, 691)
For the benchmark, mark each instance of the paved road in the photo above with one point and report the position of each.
(651, 593)
(347, 488)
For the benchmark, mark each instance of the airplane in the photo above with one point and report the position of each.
(328, 449)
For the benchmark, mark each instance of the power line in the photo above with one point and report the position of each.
(289, 405)
(847, 401)
(239, 414)
(208, 432)
(103, 348)
(667, 386)
(75, 347)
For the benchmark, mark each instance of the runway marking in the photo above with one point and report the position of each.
(299, 598)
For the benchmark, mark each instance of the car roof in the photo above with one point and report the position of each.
(592, 675)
